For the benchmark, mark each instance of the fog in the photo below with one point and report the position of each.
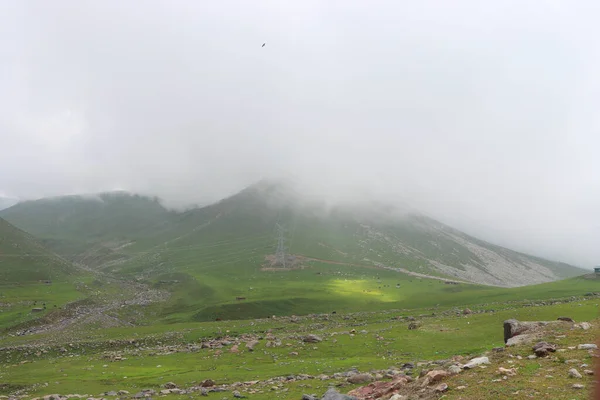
(481, 114)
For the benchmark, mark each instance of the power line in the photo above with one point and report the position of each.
(280, 253)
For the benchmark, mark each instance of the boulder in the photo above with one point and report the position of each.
(312, 339)
(542, 349)
(476, 362)
(513, 328)
(333, 394)
(587, 346)
(573, 373)
(360, 378)
(436, 376)
(170, 385)
(565, 319)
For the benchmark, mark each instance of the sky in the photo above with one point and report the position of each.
(482, 114)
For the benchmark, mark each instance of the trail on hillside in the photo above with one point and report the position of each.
(382, 266)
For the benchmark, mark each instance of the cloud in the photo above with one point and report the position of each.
(480, 114)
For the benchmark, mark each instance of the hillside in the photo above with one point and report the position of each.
(24, 260)
(89, 229)
(220, 261)
(126, 230)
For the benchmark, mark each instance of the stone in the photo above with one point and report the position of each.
(507, 371)
(312, 339)
(454, 369)
(542, 349)
(532, 357)
(333, 394)
(441, 388)
(414, 325)
(513, 328)
(588, 372)
(207, 383)
(587, 346)
(360, 378)
(397, 397)
(565, 319)
(573, 373)
(237, 395)
(309, 397)
(520, 339)
(578, 386)
(170, 385)
(376, 390)
(122, 393)
(250, 345)
(436, 375)
(467, 311)
(585, 326)
(476, 362)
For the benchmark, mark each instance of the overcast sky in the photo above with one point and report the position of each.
(484, 114)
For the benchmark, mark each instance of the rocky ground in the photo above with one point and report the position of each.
(541, 359)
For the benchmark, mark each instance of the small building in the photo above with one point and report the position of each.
(597, 271)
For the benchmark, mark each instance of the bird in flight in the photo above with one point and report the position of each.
(263, 45)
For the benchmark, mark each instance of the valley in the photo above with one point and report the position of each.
(114, 293)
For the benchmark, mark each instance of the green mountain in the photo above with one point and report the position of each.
(136, 233)
(24, 260)
(90, 229)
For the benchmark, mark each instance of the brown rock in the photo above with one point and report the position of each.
(360, 378)
(207, 383)
(441, 388)
(542, 349)
(436, 375)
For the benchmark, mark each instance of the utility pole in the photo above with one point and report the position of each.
(280, 253)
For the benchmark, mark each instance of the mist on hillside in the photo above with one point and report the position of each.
(478, 114)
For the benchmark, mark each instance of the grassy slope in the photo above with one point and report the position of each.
(24, 265)
(209, 256)
(84, 229)
(84, 370)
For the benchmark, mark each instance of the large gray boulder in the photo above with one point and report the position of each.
(333, 394)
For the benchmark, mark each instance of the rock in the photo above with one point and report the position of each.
(585, 326)
(111, 393)
(333, 394)
(520, 339)
(397, 397)
(122, 393)
(408, 366)
(308, 397)
(542, 349)
(475, 362)
(378, 389)
(237, 395)
(467, 311)
(507, 372)
(588, 372)
(587, 346)
(436, 376)
(170, 385)
(566, 319)
(441, 388)
(207, 383)
(414, 325)
(234, 349)
(513, 328)
(454, 369)
(578, 386)
(360, 378)
(573, 373)
(312, 339)
(250, 345)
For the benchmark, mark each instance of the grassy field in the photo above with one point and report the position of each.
(161, 353)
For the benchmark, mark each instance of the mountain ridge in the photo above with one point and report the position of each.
(369, 234)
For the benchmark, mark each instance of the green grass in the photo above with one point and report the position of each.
(83, 368)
